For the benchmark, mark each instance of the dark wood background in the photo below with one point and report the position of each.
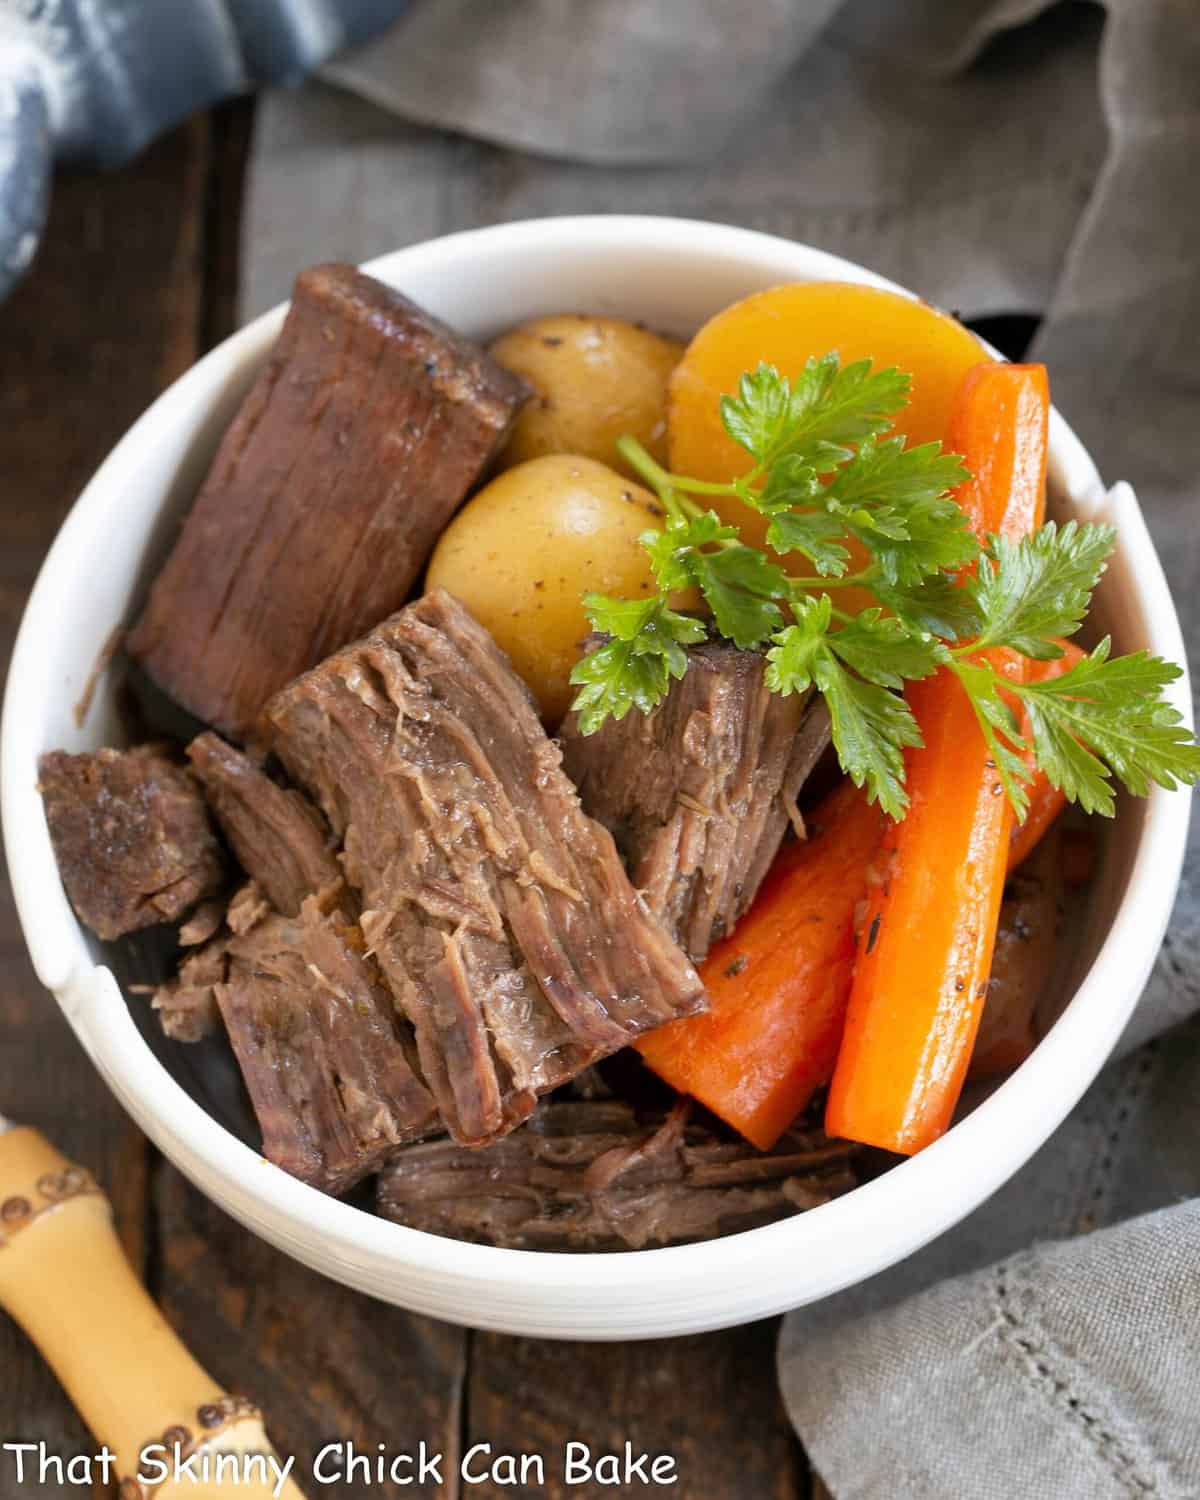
(136, 278)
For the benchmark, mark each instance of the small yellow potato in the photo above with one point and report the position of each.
(522, 553)
(594, 379)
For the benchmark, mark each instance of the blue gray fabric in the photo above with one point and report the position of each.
(95, 80)
(996, 155)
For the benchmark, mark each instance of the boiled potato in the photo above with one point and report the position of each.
(522, 553)
(594, 379)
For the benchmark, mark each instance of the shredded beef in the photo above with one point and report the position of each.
(279, 837)
(314, 1031)
(500, 914)
(589, 1175)
(699, 792)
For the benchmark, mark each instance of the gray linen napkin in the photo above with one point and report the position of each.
(996, 156)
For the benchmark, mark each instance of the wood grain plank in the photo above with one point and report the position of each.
(711, 1402)
(107, 317)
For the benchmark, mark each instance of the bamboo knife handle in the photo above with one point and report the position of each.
(64, 1277)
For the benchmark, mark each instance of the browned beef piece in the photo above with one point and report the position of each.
(132, 837)
(279, 837)
(588, 1175)
(315, 1034)
(187, 1003)
(361, 437)
(500, 914)
(699, 793)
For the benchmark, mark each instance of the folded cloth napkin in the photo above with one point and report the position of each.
(93, 80)
(996, 155)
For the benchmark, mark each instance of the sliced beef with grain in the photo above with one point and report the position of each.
(132, 836)
(499, 912)
(327, 1062)
(591, 1175)
(279, 837)
(699, 792)
(363, 434)
(315, 1034)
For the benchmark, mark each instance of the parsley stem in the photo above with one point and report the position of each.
(659, 479)
(654, 474)
(847, 580)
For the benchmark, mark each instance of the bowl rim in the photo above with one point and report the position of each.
(850, 1238)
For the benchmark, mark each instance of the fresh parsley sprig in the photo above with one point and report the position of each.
(826, 475)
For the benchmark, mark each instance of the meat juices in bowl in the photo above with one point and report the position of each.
(672, 278)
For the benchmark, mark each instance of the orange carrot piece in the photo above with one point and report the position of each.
(778, 984)
(921, 977)
(1000, 425)
(1045, 801)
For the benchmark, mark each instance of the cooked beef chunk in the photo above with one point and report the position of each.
(500, 914)
(279, 837)
(132, 837)
(698, 793)
(361, 437)
(187, 1004)
(315, 1034)
(1022, 961)
(587, 1175)
(203, 923)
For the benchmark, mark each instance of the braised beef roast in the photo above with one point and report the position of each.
(591, 1175)
(363, 434)
(279, 837)
(132, 836)
(314, 1030)
(500, 914)
(327, 1062)
(699, 792)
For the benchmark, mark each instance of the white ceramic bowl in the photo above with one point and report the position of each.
(674, 274)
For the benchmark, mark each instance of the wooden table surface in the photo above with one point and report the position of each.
(136, 278)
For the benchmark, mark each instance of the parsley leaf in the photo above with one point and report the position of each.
(871, 726)
(935, 604)
(815, 534)
(999, 727)
(671, 549)
(635, 667)
(739, 583)
(794, 650)
(1106, 717)
(871, 729)
(836, 404)
(827, 406)
(758, 414)
(897, 502)
(740, 586)
(886, 651)
(1039, 587)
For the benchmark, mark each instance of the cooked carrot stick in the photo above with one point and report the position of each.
(1045, 801)
(1000, 425)
(921, 976)
(778, 985)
